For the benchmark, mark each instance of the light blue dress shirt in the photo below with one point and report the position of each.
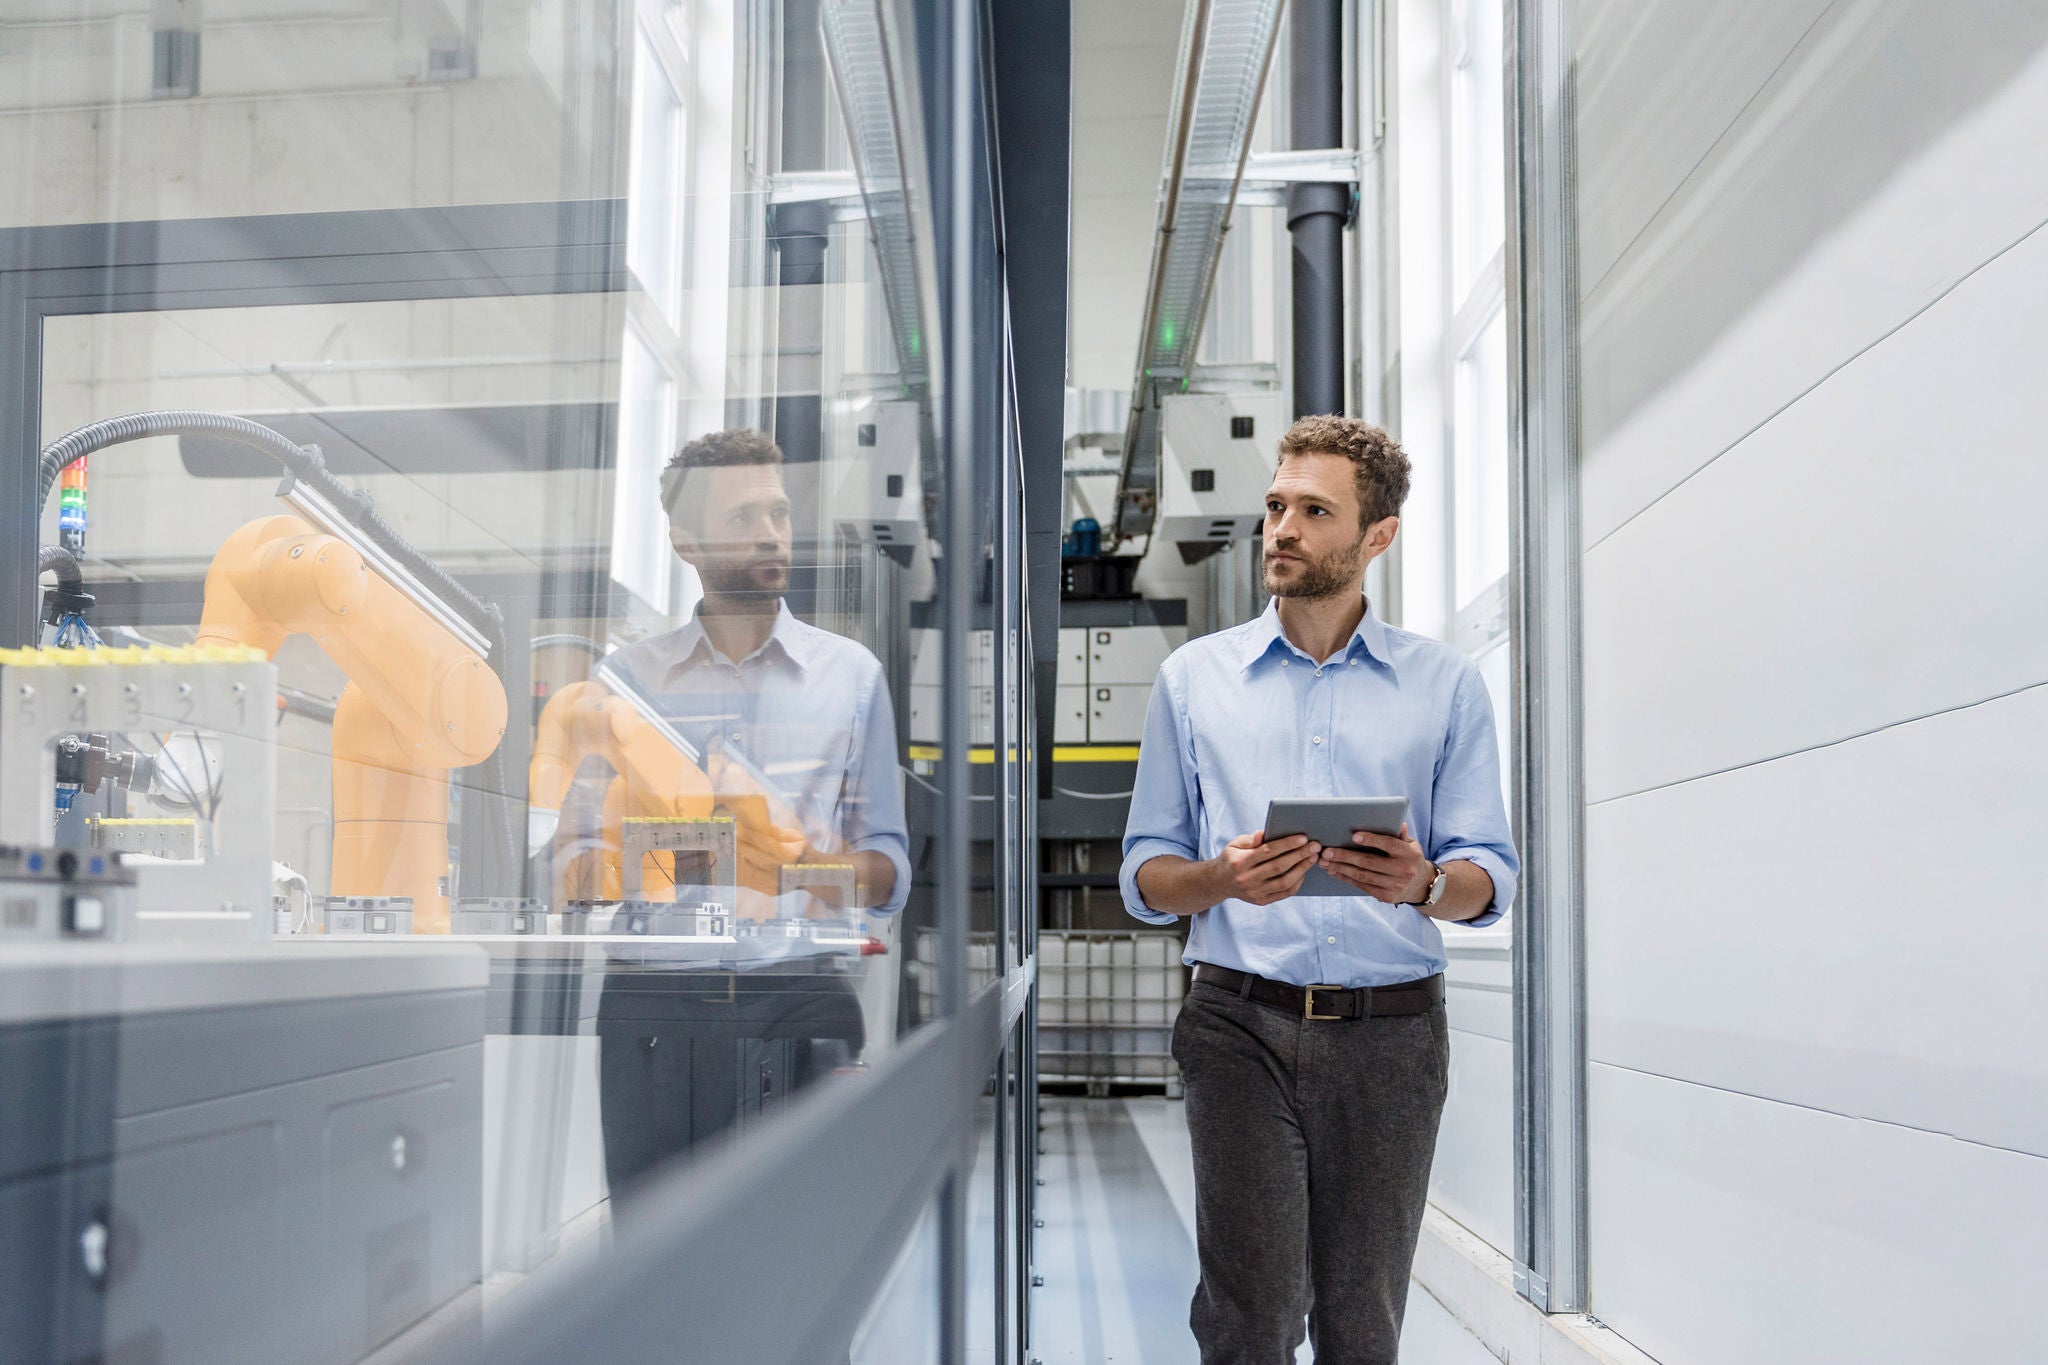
(1242, 716)
(810, 711)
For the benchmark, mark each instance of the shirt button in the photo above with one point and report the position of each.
(1319, 673)
(1283, 663)
(1319, 739)
(1333, 938)
(735, 736)
(1354, 663)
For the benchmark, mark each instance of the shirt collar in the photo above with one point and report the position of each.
(1266, 636)
(786, 637)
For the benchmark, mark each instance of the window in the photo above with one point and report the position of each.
(1478, 147)
(1479, 473)
(1477, 340)
(641, 558)
(654, 228)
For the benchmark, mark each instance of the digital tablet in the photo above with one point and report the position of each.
(1330, 822)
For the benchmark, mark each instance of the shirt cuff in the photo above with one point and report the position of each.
(898, 855)
(1495, 867)
(1135, 857)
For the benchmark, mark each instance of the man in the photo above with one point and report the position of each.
(1314, 1114)
(686, 1051)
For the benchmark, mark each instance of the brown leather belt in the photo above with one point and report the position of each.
(1328, 1002)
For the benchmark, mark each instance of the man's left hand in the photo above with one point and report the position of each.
(1391, 868)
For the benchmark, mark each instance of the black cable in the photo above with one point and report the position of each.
(70, 577)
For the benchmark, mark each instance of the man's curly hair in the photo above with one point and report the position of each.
(1376, 458)
(740, 445)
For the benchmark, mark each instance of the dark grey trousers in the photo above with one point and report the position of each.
(1312, 1144)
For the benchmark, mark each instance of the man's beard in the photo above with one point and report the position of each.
(742, 584)
(1317, 578)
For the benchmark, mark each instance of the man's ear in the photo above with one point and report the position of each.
(685, 545)
(1379, 536)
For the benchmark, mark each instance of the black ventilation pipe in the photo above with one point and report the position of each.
(1317, 214)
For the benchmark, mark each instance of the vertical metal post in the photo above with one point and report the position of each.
(21, 398)
(1549, 936)
(960, 54)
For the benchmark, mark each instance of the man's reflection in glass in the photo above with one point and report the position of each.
(798, 739)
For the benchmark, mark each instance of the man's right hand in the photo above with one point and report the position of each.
(1250, 869)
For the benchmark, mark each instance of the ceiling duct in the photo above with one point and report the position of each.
(1226, 49)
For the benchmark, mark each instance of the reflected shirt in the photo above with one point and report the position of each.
(1242, 716)
(810, 711)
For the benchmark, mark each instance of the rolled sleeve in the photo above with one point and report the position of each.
(1163, 819)
(1469, 819)
(874, 795)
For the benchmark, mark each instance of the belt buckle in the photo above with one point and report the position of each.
(1308, 1002)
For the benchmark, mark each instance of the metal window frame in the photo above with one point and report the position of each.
(1549, 942)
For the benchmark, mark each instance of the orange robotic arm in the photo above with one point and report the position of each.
(419, 701)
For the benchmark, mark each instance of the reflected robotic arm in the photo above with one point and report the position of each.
(656, 776)
(420, 698)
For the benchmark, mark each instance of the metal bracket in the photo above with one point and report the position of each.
(1268, 174)
(806, 187)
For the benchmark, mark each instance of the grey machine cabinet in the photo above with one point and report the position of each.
(244, 1153)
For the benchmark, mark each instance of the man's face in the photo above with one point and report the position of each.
(1313, 543)
(738, 535)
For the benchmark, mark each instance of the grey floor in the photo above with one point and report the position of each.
(1117, 1250)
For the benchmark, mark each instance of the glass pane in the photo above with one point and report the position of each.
(490, 719)
(902, 1325)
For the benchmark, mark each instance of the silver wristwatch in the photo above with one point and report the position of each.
(1437, 886)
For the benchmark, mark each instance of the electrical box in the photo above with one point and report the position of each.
(1073, 655)
(1130, 654)
(1105, 680)
(879, 497)
(926, 713)
(1217, 453)
(1070, 715)
(1116, 714)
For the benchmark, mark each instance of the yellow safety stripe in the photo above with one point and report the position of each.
(1062, 753)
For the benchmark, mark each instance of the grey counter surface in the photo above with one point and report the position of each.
(78, 980)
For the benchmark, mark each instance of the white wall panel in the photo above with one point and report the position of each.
(1732, 1229)
(1659, 82)
(1857, 929)
(1869, 556)
(1944, 214)
(1473, 1179)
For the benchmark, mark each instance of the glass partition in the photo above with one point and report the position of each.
(476, 755)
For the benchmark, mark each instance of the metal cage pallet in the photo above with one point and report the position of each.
(1107, 1000)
